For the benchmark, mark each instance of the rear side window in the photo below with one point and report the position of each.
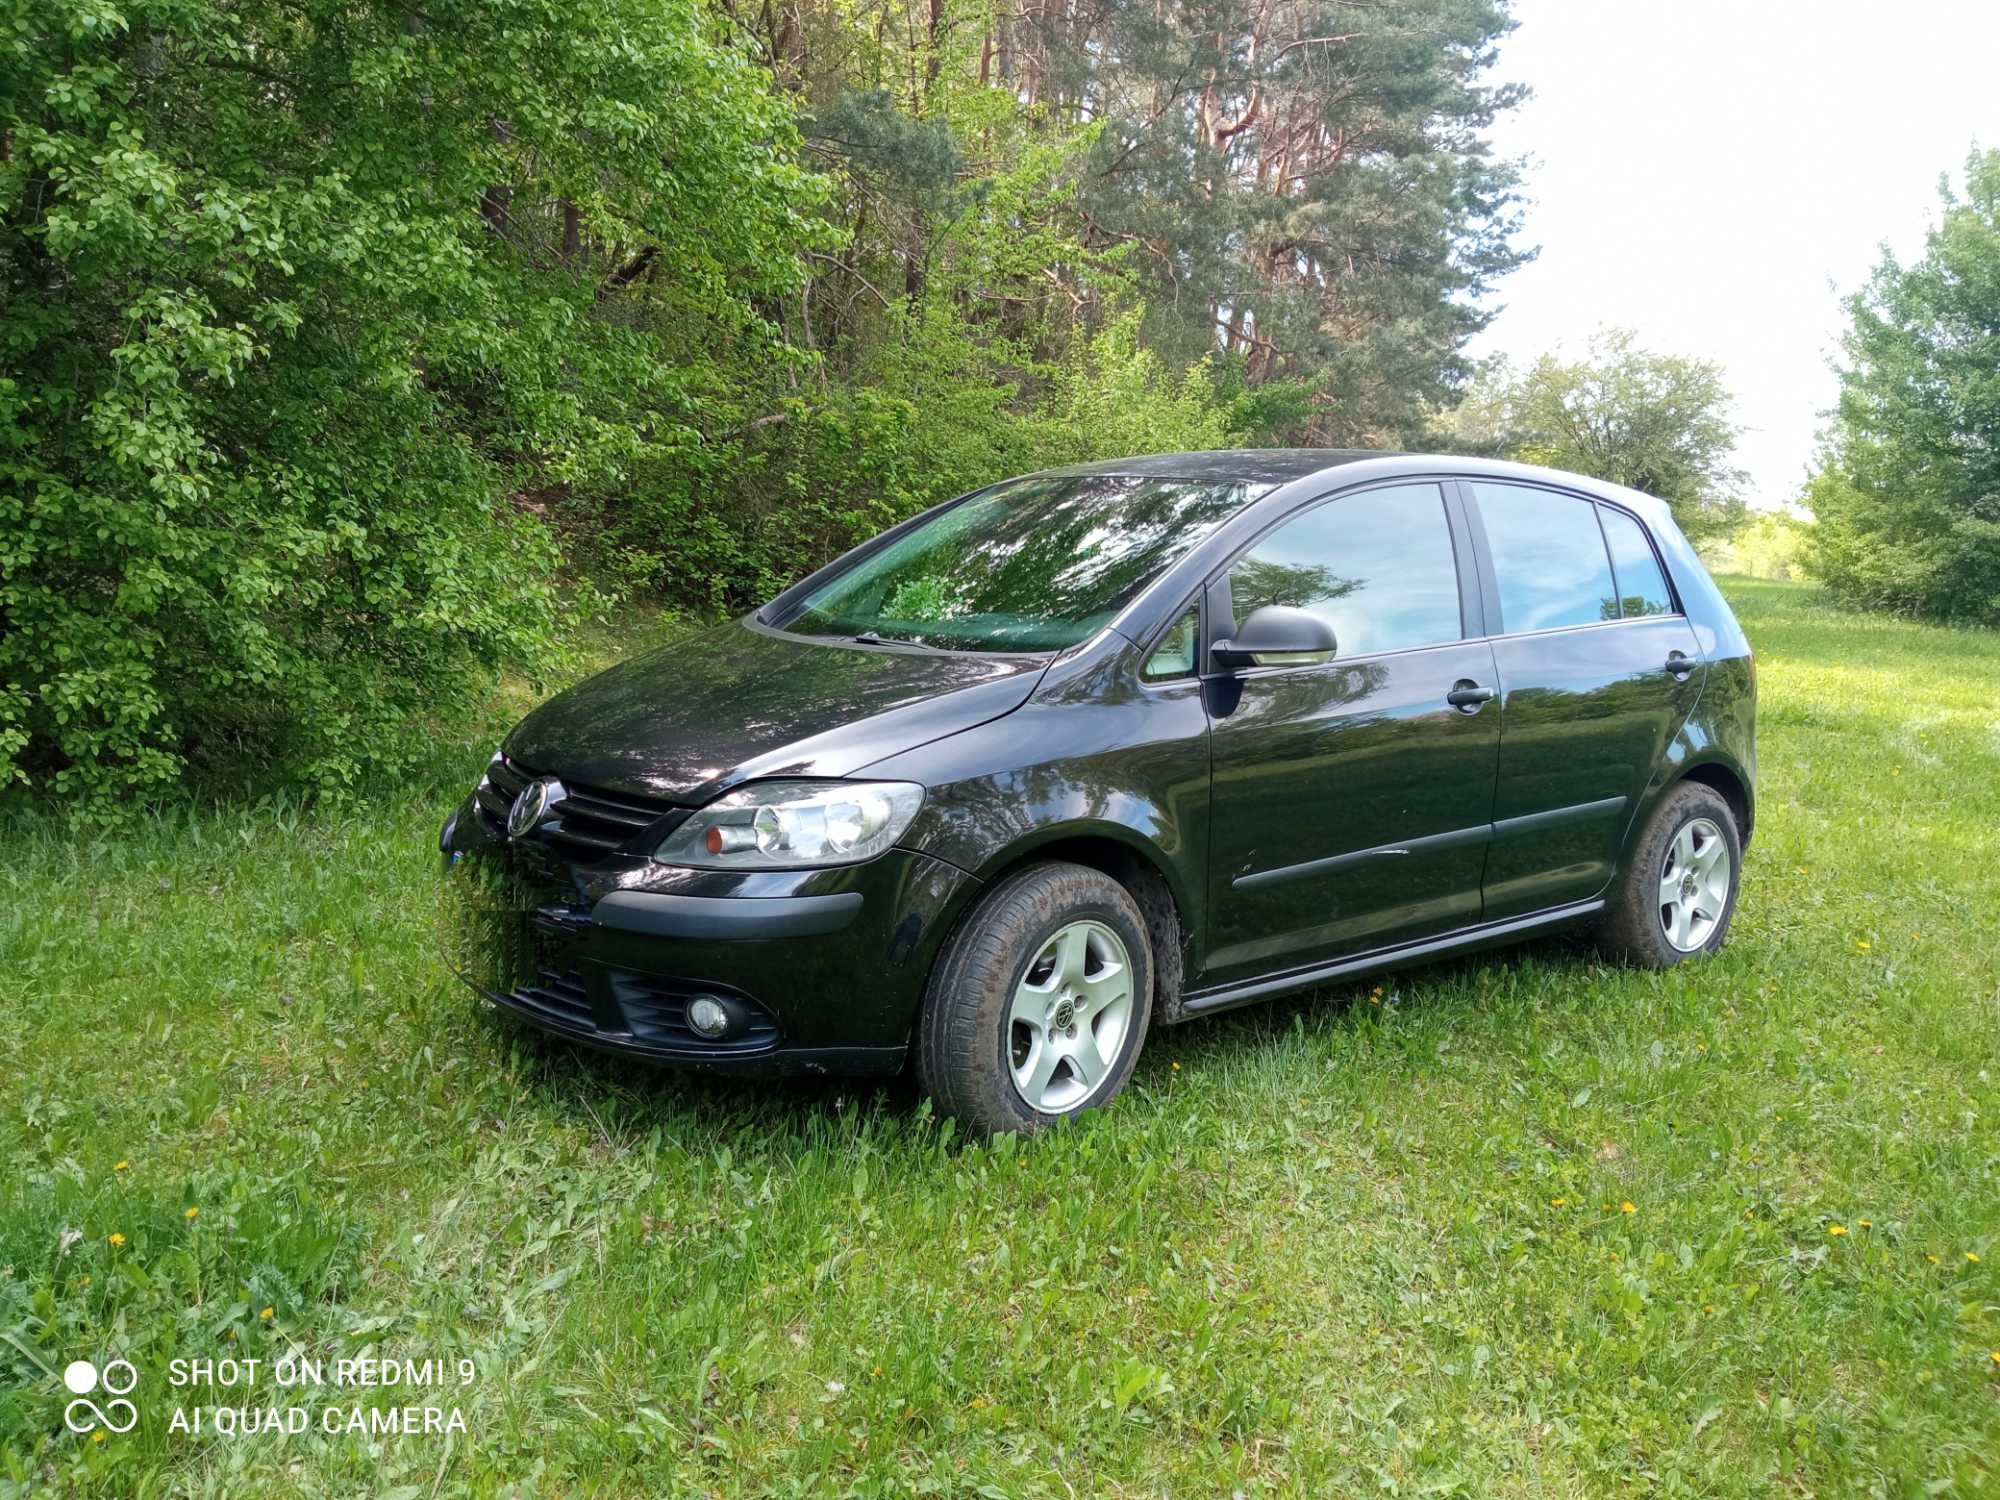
(1548, 558)
(1642, 587)
(1377, 566)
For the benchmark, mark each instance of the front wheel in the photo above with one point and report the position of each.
(1679, 890)
(1039, 1003)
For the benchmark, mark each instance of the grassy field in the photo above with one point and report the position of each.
(1525, 1225)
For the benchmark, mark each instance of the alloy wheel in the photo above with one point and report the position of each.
(1069, 1018)
(1694, 884)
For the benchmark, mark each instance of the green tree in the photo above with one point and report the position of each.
(293, 297)
(1908, 493)
(1659, 423)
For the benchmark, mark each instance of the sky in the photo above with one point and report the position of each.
(1717, 176)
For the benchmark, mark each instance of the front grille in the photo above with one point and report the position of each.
(588, 823)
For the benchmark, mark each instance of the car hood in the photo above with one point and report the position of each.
(688, 721)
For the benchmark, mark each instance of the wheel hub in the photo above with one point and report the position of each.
(1070, 1017)
(1695, 881)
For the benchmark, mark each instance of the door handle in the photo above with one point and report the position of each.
(1680, 664)
(1466, 695)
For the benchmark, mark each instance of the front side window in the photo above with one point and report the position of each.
(1642, 587)
(1548, 558)
(1377, 566)
(1036, 565)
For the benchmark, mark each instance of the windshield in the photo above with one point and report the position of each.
(1036, 565)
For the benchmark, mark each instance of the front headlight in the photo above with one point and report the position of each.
(792, 825)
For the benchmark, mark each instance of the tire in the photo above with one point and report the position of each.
(1037, 963)
(1680, 855)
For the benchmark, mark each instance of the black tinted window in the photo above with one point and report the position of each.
(1377, 566)
(1036, 565)
(1548, 558)
(1642, 587)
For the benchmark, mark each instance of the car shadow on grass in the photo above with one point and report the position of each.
(609, 1092)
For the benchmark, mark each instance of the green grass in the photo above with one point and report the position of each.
(1362, 1242)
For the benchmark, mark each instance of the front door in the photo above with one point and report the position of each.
(1598, 671)
(1351, 800)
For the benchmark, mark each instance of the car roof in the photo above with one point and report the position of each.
(1287, 466)
(1252, 465)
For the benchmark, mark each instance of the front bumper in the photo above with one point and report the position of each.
(821, 971)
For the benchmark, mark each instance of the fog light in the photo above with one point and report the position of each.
(707, 1017)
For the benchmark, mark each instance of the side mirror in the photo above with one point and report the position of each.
(1276, 636)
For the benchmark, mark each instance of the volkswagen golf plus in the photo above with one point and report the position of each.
(1112, 747)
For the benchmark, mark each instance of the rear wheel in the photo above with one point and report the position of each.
(1679, 890)
(1040, 1002)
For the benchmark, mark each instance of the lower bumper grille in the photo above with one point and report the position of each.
(637, 1009)
(557, 1000)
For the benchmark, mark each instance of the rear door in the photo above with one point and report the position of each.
(1597, 668)
(1350, 799)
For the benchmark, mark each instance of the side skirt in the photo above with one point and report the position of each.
(1465, 940)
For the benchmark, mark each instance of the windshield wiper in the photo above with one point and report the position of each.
(870, 638)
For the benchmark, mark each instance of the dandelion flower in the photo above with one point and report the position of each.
(97, 1436)
(190, 1213)
(120, 1166)
(268, 1313)
(1934, 1260)
(1177, 1067)
(1557, 1202)
(114, 1238)
(1996, 1356)
(1708, 1309)
(1836, 1229)
(1627, 1208)
(1866, 1223)
(1972, 1257)
(1862, 946)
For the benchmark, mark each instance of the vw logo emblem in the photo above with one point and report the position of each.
(532, 805)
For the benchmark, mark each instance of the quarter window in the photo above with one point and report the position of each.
(1548, 558)
(1377, 566)
(1642, 587)
(1174, 656)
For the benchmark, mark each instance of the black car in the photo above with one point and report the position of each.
(1112, 747)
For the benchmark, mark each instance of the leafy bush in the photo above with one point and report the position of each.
(937, 411)
(294, 296)
(1769, 544)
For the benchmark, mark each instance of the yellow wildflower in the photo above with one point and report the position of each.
(1862, 946)
(190, 1213)
(268, 1313)
(1627, 1208)
(114, 1238)
(1836, 1229)
(1557, 1202)
(1972, 1257)
(121, 1166)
